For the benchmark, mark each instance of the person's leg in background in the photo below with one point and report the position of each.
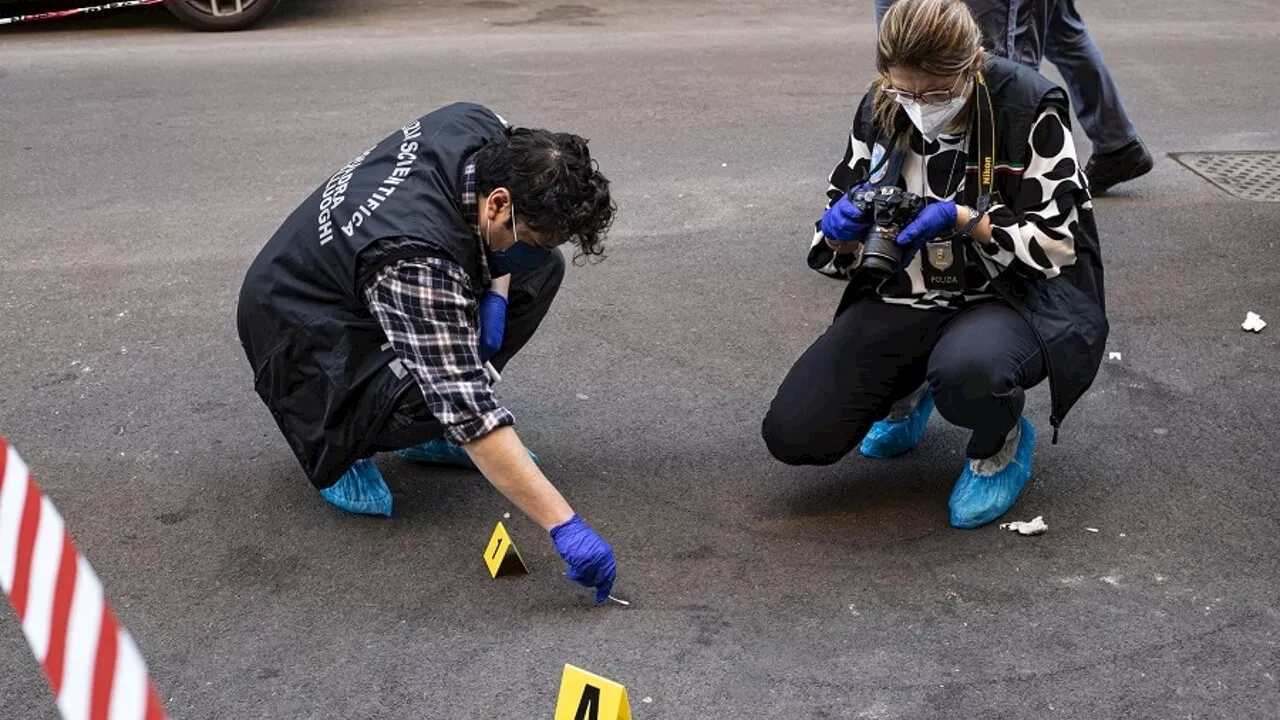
(1013, 29)
(1028, 28)
(882, 7)
(985, 358)
(999, 22)
(872, 355)
(1119, 154)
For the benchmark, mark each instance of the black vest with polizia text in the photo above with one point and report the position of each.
(320, 360)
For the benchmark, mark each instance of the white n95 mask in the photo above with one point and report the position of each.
(930, 120)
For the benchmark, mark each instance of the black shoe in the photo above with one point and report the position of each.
(1110, 169)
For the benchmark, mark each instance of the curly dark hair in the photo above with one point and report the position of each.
(556, 187)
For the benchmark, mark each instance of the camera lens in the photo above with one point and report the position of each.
(881, 256)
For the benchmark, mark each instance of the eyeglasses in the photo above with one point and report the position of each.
(931, 97)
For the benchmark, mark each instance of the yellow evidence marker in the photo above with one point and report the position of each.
(587, 696)
(501, 555)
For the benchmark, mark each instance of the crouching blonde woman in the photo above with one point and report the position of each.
(962, 222)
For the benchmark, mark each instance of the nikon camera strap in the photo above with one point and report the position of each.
(978, 195)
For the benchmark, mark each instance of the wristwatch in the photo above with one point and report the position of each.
(975, 217)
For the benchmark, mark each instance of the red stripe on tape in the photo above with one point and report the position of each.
(4, 458)
(108, 651)
(55, 661)
(26, 549)
(155, 708)
(104, 666)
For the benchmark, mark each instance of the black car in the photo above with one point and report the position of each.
(199, 14)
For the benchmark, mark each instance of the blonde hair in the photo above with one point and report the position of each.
(939, 37)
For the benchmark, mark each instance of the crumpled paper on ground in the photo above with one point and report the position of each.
(1035, 526)
(1253, 323)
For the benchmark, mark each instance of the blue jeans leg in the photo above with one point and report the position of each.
(1012, 29)
(882, 7)
(1093, 91)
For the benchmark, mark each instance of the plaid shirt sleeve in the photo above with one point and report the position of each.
(427, 309)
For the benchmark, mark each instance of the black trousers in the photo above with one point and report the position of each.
(528, 301)
(977, 360)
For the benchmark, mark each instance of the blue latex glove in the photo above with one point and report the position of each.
(493, 323)
(590, 558)
(844, 222)
(936, 219)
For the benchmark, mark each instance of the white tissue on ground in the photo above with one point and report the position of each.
(1253, 323)
(1035, 526)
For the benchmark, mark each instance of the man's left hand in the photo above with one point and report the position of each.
(936, 219)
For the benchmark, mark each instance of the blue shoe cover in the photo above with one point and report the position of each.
(440, 451)
(891, 438)
(360, 490)
(981, 496)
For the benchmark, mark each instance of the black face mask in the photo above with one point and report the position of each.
(520, 258)
(517, 259)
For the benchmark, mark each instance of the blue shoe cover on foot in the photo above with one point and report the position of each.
(980, 497)
(361, 490)
(440, 451)
(891, 438)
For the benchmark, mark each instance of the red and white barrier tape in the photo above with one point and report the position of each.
(92, 663)
(77, 11)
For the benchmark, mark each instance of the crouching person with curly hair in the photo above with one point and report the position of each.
(379, 314)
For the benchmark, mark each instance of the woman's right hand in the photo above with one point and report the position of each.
(843, 222)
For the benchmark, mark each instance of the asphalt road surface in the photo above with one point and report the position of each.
(143, 167)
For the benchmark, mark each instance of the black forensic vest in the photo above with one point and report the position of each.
(320, 360)
(1068, 312)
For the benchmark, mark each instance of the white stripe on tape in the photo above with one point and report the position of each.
(129, 699)
(44, 576)
(72, 659)
(12, 497)
(82, 643)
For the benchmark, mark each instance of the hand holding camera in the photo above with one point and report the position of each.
(846, 221)
(893, 225)
(888, 210)
(935, 220)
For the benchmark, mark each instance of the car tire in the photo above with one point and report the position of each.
(198, 14)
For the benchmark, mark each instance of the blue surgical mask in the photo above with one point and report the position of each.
(520, 258)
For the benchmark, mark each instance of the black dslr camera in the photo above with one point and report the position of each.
(890, 209)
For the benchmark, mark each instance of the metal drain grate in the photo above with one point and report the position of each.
(1251, 176)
